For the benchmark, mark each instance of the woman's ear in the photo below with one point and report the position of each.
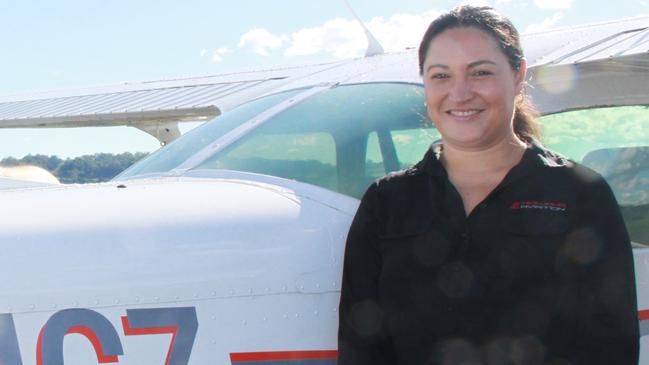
(521, 76)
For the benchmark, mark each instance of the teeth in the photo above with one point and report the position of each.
(463, 113)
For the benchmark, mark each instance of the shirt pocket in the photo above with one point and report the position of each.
(398, 227)
(531, 243)
(413, 248)
(412, 254)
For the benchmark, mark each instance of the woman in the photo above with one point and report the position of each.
(492, 249)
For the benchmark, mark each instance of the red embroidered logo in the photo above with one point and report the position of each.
(554, 206)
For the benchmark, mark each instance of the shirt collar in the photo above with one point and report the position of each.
(535, 156)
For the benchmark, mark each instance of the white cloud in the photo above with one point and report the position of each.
(261, 41)
(216, 58)
(344, 38)
(401, 30)
(553, 4)
(341, 37)
(500, 2)
(217, 55)
(547, 23)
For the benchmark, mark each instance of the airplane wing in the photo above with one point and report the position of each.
(569, 68)
(579, 67)
(155, 107)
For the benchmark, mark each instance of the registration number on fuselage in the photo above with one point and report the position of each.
(180, 322)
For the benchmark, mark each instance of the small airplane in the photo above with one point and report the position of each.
(225, 245)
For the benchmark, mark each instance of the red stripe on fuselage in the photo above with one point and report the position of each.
(283, 355)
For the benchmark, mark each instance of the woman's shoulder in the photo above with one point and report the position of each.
(400, 201)
(405, 186)
(560, 171)
(398, 183)
(409, 178)
(558, 163)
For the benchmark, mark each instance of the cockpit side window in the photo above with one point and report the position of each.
(308, 157)
(615, 143)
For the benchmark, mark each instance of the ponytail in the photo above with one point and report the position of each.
(525, 124)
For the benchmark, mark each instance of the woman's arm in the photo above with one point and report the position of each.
(362, 335)
(607, 323)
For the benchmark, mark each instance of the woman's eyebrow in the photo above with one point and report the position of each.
(438, 65)
(481, 62)
(471, 65)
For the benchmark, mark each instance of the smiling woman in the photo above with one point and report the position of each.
(492, 249)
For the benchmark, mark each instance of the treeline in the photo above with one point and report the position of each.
(79, 170)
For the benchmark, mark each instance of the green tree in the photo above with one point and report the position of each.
(80, 170)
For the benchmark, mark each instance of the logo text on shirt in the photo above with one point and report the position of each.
(553, 206)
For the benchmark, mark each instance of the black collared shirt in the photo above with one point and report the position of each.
(540, 271)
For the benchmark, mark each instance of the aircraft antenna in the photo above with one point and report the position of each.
(373, 46)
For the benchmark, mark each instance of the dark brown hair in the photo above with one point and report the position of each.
(503, 31)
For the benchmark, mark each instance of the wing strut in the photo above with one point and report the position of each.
(165, 131)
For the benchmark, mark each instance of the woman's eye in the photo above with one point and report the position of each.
(482, 73)
(438, 76)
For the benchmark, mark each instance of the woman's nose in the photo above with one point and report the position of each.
(460, 90)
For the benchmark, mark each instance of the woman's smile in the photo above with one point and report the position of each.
(464, 113)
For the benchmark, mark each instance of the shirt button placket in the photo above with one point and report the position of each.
(465, 236)
(465, 240)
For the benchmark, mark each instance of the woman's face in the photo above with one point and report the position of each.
(470, 88)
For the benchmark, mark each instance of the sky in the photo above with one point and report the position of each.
(67, 44)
